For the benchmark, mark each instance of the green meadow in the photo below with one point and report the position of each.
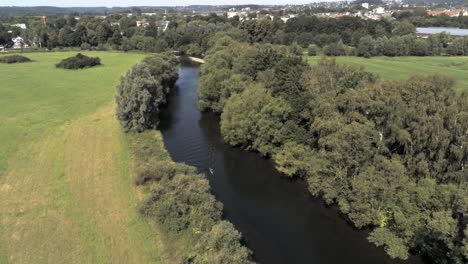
(393, 68)
(66, 190)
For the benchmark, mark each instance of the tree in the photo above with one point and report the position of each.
(240, 114)
(457, 47)
(335, 49)
(403, 28)
(103, 32)
(138, 98)
(65, 37)
(312, 50)
(116, 38)
(366, 47)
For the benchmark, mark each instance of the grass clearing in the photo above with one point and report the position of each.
(66, 195)
(393, 68)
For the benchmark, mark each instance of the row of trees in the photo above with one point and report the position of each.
(407, 45)
(342, 36)
(390, 154)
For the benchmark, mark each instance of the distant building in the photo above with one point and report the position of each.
(18, 43)
(2, 48)
(142, 23)
(231, 14)
(450, 13)
(162, 24)
(379, 10)
(21, 25)
(365, 5)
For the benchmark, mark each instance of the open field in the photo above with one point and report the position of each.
(403, 67)
(66, 195)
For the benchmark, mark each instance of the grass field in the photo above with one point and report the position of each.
(66, 195)
(403, 67)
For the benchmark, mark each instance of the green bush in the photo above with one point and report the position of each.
(79, 61)
(312, 50)
(221, 245)
(14, 59)
(85, 46)
(183, 203)
(157, 170)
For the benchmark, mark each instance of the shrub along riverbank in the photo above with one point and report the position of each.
(390, 154)
(179, 202)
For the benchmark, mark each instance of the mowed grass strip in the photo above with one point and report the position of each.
(403, 67)
(66, 194)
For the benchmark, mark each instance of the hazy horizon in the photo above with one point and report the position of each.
(125, 3)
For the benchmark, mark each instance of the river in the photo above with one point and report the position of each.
(277, 217)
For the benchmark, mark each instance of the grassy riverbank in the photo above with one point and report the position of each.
(66, 191)
(393, 68)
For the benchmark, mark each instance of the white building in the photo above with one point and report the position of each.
(21, 25)
(142, 23)
(18, 43)
(379, 10)
(365, 5)
(231, 14)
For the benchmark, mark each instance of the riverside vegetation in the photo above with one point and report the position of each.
(179, 201)
(390, 154)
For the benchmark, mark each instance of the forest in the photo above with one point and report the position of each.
(391, 155)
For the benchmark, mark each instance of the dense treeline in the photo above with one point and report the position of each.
(179, 201)
(391, 154)
(341, 36)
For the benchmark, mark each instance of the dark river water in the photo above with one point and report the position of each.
(279, 221)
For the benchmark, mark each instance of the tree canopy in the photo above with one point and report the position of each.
(390, 154)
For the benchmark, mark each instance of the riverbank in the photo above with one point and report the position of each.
(191, 59)
(178, 203)
(198, 60)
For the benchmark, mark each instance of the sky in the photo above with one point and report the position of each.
(110, 3)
